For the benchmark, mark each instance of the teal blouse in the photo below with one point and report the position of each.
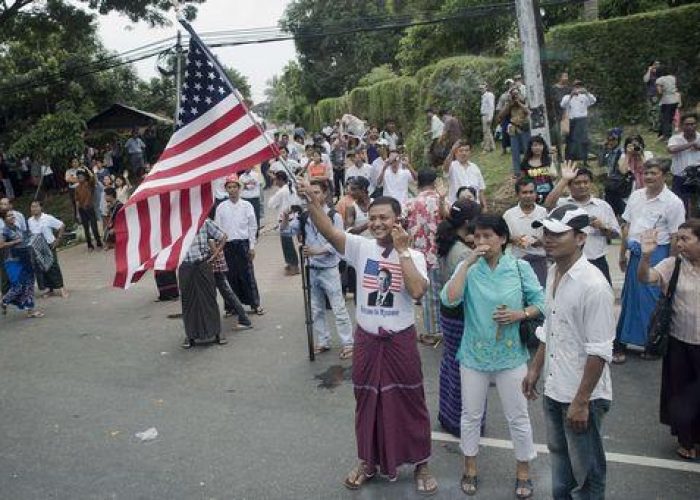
(484, 291)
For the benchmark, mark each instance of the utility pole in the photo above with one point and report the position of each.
(532, 67)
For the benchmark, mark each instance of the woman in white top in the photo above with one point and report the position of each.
(633, 157)
(123, 188)
(49, 281)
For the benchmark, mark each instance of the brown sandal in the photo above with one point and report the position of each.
(426, 484)
(358, 476)
(346, 352)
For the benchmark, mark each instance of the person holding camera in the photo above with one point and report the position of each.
(396, 175)
(684, 149)
(518, 115)
(576, 105)
(633, 157)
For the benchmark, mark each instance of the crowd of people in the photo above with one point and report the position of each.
(510, 296)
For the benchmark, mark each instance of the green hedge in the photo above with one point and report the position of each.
(450, 83)
(611, 57)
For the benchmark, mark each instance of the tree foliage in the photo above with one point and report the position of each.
(152, 11)
(376, 75)
(56, 137)
(287, 103)
(333, 64)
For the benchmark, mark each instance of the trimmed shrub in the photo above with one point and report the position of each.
(611, 57)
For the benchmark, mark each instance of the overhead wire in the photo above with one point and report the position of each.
(247, 36)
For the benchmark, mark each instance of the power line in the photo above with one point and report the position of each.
(247, 36)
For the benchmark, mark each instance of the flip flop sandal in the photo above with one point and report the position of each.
(346, 352)
(221, 341)
(524, 484)
(36, 314)
(619, 359)
(469, 484)
(258, 310)
(320, 349)
(361, 477)
(240, 328)
(687, 455)
(422, 479)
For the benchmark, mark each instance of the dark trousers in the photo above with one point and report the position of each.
(339, 182)
(667, 112)
(88, 218)
(578, 459)
(256, 208)
(680, 392)
(231, 302)
(289, 251)
(602, 264)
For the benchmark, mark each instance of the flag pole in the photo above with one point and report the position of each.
(240, 98)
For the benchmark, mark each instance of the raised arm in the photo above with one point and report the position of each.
(568, 173)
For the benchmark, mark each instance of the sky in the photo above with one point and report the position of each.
(259, 62)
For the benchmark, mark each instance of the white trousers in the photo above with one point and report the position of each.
(475, 385)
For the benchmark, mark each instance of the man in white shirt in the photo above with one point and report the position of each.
(284, 158)
(526, 240)
(136, 148)
(390, 135)
(377, 167)
(576, 104)
(685, 152)
(281, 202)
(385, 358)
(462, 172)
(604, 224)
(236, 218)
(396, 175)
(49, 281)
(575, 350)
(251, 191)
(356, 166)
(653, 207)
(435, 130)
(488, 108)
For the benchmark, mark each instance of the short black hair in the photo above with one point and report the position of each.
(110, 191)
(522, 182)
(471, 189)
(281, 175)
(387, 200)
(584, 171)
(360, 182)
(41, 203)
(664, 166)
(689, 114)
(496, 223)
(322, 183)
(426, 177)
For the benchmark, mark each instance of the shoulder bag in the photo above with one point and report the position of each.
(527, 326)
(660, 322)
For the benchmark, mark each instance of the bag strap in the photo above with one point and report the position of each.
(520, 279)
(674, 278)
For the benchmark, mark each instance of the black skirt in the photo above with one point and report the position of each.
(200, 311)
(680, 391)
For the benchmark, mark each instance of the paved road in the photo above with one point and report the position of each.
(253, 419)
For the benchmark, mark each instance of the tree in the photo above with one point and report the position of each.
(332, 64)
(286, 101)
(152, 11)
(378, 74)
(240, 81)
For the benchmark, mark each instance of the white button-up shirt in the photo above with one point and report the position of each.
(665, 212)
(237, 220)
(520, 224)
(436, 127)
(596, 242)
(464, 175)
(577, 105)
(579, 322)
(45, 225)
(681, 161)
(488, 104)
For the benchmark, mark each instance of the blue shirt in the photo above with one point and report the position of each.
(486, 289)
(316, 239)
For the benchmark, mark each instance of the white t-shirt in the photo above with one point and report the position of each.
(436, 127)
(278, 166)
(45, 224)
(251, 184)
(460, 176)
(376, 170)
(665, 212)
(681, 161)
(669, 92)
(382, 298)
(354, 171)
(396, 184)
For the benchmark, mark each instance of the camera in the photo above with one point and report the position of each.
(692, 178)
(637, 148)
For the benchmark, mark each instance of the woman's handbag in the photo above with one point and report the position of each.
(620, 185)
(660, 322)
(528, 327)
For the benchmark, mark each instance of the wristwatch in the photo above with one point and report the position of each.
(405, 254)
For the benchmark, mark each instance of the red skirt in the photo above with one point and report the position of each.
(392, 424)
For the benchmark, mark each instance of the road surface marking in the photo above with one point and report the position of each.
(622, 458)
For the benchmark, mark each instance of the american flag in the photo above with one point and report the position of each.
(215, 136)
(371, 271)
